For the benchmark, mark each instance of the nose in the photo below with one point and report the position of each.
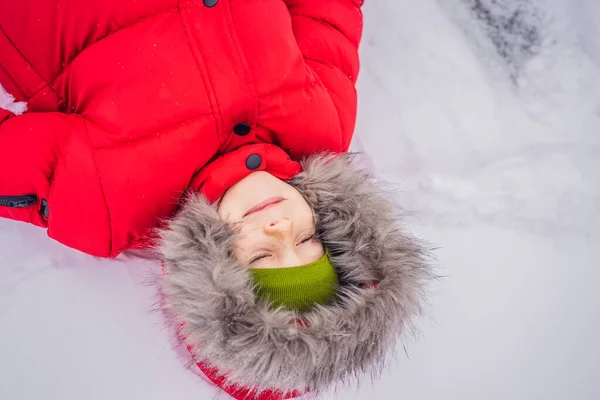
(280, 228)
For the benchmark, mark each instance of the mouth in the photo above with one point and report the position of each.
(265, 204)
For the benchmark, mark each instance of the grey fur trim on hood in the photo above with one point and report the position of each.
(211, 294)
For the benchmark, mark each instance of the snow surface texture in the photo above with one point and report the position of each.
(7, 102)
(487, 118)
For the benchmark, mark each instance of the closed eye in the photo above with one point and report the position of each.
(311, 238)
(258, 258)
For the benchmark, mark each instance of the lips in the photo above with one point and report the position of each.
(262, 205)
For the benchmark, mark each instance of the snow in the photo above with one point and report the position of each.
(496, 162)
(7, 102)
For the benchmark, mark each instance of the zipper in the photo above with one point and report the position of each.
(18, 201)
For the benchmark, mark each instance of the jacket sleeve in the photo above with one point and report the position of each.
(28, 155)
(47, 156)
(328, 33)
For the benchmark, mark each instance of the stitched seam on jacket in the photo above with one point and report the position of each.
(109, 34)
(242, 63)
(332, 93)
(331, 25)
(62, 72)
(214, 105)
(110, 227)
(35, 71)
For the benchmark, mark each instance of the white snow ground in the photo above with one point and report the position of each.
(498, 163)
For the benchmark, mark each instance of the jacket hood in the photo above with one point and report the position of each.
(382, 271)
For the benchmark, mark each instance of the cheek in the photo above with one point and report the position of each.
(311, 253)
(307, 216)
(239, 254)
(228, 210)
(245, 240)
(222, 207)
(241, 250)
(222, 213)
(318, 249)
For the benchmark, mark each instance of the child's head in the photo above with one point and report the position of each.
(275, 226)
(276, 237)
(325, 248)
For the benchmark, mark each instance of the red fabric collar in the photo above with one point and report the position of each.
(244, 393)
(216, 177)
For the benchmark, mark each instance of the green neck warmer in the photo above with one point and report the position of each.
(297, 288)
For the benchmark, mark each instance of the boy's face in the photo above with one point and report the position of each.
(276, 225)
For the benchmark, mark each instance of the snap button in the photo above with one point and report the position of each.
(253, 162)
(210, 3)
(242, 129)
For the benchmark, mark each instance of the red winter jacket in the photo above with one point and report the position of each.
(130, 100)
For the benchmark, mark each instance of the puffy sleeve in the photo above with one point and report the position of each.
(29, 148)
(48, 178)
(328, 33)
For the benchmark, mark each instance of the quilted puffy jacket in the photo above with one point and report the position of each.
(130, 103)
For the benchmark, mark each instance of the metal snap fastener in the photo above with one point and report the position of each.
(242, 129)
(253, 162)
